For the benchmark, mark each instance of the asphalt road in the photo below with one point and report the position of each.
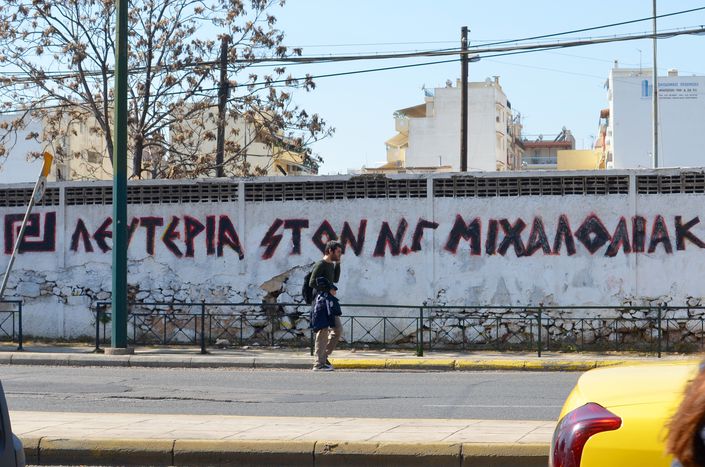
(476, 395)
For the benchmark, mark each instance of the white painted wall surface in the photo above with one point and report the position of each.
(60, 286)
(682, 128)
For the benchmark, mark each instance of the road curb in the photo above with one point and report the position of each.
(57, 451)
(353, 454)
(204, 361)
(494, 364)
(93, 359)
(284, 363)
(21, 358)
(420, 364)
(527, 365)
(496, 455)
(217, 361)
(559, 365)
(31, 449)
(359, 363)
(177, 452)
(243, 453)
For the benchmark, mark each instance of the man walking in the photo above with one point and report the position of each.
(325, 274)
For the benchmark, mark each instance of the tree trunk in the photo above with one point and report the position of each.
(137, 158)
(109, 144)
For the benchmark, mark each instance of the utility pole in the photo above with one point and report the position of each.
(119, 295)
(222, 101)
(464, 99)
(654, 96)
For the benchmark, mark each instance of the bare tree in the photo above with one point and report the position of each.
(57, 60)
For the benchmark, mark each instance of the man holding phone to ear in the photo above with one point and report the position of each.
(326, 272)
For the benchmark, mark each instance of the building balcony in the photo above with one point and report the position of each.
(540, 160)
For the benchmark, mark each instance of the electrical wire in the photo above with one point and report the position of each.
(485, 43)
(543, 36)
(594, 28)
(302, 60)
(429, 53)
(264, 83)
(369, 44)
(500, 52)
(537, 46)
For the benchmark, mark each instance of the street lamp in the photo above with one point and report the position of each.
(119, 269)
(654, 96)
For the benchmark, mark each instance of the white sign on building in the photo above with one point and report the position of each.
(681, 123)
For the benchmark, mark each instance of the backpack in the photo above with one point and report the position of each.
(306, 290)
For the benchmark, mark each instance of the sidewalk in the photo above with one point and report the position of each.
(278, 358)
(116, 439)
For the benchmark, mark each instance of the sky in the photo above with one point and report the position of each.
(550, 89)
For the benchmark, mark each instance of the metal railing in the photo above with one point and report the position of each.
(266, 324)
(11, 322)
(653, 329)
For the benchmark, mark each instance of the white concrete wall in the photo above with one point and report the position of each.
(682, 128)
(60, 284)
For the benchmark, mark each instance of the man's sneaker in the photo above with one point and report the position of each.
(323, 368)
(329, 363)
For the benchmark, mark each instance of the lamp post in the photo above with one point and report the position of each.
(654, 96)
(464, 99)
(119, 295)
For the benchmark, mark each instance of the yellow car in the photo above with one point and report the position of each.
(618, 416)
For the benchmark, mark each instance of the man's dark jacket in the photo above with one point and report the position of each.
(325, 309)
(329, 271)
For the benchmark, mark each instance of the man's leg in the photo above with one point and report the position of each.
(319, 350)
(334, 336)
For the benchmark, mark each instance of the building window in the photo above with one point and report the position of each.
(93, 157)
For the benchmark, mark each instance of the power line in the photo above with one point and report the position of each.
(428, 54)
(593, 28)
(664, 34)
(368, 44)
(479, 50)
(261, 83)
(487, 42)
(499, 52)
(578, 43)
(513, 41)
(384, 56)
(606, 60)
(476, 51)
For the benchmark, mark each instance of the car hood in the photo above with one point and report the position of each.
(659, 383)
